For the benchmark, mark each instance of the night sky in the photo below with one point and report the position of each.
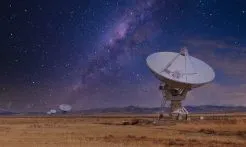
(91, 53)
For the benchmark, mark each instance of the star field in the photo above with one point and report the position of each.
(92, 53)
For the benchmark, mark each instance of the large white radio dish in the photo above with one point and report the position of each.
(180, 69)
(179, 73)
(65, 108)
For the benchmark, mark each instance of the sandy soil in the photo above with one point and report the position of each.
(109, 131)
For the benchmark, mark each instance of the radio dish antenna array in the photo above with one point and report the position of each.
(53, 111)
(179, 73)
(65, 108)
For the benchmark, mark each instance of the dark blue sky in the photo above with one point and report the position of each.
(92, 53)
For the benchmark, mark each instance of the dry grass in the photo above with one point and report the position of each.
(105, 131)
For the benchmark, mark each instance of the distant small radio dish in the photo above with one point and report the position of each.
(52, 111)
(65, 108)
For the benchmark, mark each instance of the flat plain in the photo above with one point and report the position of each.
(121, 130)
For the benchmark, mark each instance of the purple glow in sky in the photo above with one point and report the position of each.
(92, 53)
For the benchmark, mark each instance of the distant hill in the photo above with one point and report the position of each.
(142, 110)
(34, 113)
(7, 113)
(215, 109)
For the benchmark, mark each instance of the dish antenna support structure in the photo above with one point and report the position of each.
(179, 73)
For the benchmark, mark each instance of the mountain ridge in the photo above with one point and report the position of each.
(142, 110)
(149, 110)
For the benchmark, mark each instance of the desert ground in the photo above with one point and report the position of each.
(121, 130)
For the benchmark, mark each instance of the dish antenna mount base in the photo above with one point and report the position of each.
(175, 96)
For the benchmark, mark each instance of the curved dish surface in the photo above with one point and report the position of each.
(53, 111)
(180, 69)
(65, 107)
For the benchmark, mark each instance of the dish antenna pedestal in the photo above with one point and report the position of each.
(179, 73)
(175, 96)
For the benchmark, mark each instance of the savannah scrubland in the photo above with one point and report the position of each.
(102, 131)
